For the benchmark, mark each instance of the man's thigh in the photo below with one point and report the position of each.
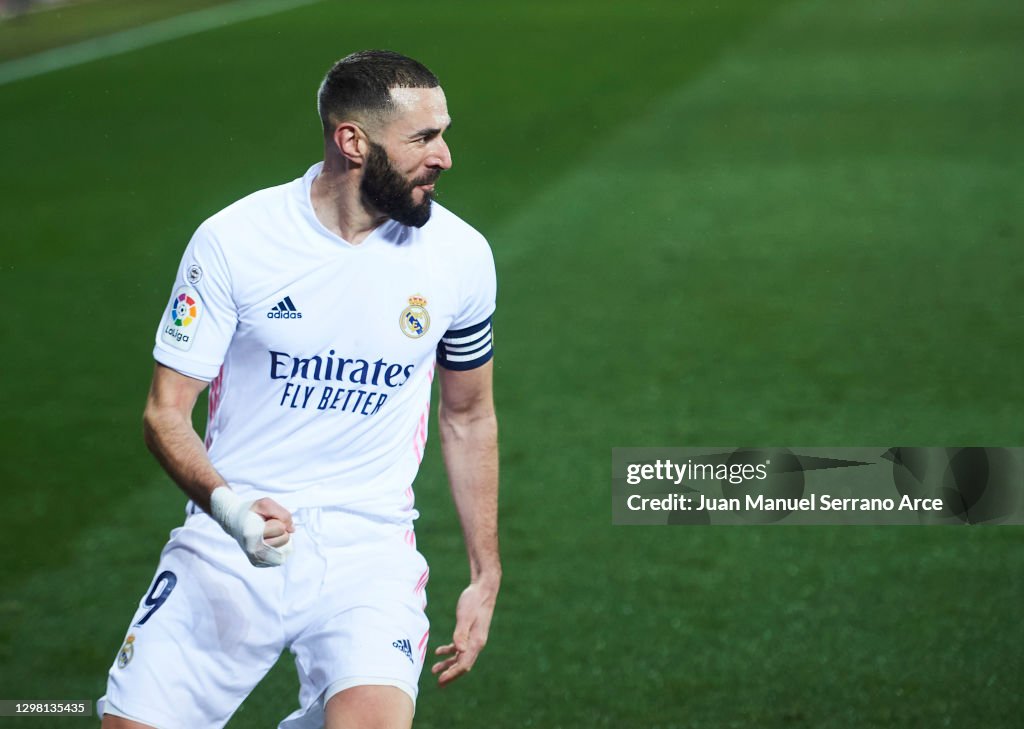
(119, 722)
(205, 632)
(369, 707)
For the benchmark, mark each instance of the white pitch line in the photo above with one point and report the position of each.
(142, 37)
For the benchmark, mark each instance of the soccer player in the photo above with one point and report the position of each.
(316, 312)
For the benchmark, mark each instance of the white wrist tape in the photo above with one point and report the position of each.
(235, 516)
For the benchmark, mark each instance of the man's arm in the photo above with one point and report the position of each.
(168, 431)
(469, 441)
(167, 428)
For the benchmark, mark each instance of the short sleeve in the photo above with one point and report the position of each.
(200, 319)
(469, 342)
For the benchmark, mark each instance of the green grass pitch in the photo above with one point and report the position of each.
(751, 222)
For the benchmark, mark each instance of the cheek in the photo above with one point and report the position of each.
(415, 167)
(410, 163)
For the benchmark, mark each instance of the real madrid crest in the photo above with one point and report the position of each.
(124, 656)
(414, 320)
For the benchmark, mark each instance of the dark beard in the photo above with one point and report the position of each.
(385, 190)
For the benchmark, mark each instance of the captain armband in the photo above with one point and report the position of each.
(466, 349)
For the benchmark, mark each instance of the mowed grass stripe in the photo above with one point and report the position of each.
(55, 26)
(144, 36)
(811, 256)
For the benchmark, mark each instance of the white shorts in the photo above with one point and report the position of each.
(349, 604)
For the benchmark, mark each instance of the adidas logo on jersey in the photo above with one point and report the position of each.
(285, 309)
(405, 646)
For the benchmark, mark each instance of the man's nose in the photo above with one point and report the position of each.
(442, 156)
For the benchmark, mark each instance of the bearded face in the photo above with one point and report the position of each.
(385, 189)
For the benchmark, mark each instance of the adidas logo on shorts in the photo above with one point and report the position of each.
(405, 646)
(285, 309)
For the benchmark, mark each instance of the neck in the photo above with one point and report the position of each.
(338, 204)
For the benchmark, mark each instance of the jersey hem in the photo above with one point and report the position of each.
(104, 705)
(336, 687)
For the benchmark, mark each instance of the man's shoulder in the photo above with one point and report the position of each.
(449, 228)
(255, 209)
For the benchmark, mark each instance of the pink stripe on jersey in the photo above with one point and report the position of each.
(421, 585)
(423, 580)
(213, 402)
(419, 440)
(423, 646)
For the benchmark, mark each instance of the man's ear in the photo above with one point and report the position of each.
(351, 142)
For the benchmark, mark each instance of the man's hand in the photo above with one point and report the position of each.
(277, 533)
(472, 624)
(262, 528)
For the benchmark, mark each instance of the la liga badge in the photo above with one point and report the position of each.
(180, 325)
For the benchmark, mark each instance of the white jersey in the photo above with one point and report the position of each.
(320, 354)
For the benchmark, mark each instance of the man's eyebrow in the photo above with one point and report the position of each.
(430, 131)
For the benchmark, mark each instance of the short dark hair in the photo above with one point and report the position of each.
(360, 84)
